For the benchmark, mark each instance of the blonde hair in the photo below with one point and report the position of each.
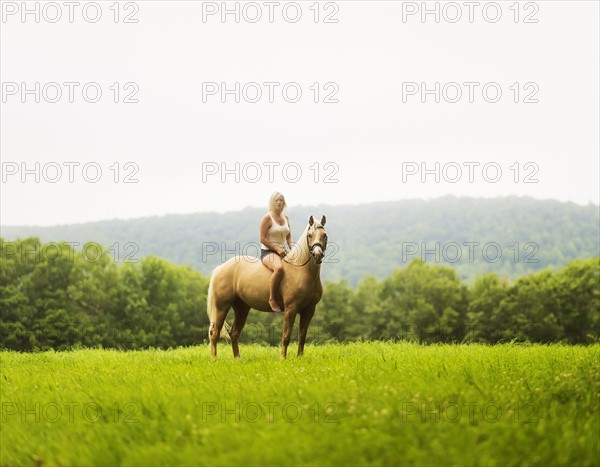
(272, 201)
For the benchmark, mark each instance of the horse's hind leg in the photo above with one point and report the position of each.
(241, 314)
(215, 329)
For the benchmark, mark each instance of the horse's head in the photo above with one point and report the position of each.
(316, 238)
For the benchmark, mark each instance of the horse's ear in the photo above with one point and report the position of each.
(323, 220)
(311, 220)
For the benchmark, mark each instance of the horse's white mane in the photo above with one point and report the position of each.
(299, 251)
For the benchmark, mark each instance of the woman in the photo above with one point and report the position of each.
(275, 236)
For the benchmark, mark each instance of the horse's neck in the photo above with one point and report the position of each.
(299, 253)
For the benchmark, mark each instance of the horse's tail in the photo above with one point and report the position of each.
(211, 309)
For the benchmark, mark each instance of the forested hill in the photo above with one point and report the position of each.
(511, 236)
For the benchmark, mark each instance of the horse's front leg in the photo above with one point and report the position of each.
(305, 317)
(288, 324)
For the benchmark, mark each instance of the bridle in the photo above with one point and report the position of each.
(310, 250)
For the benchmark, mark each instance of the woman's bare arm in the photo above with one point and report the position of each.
(289, 235)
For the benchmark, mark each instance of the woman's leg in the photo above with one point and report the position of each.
(273, 262)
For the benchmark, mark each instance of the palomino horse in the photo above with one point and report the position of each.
(243, 283)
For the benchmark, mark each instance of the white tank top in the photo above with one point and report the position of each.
(277, 234)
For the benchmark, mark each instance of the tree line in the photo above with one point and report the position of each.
(53, 296)
(512, 236)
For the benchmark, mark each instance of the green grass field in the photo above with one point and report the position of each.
(363, 403)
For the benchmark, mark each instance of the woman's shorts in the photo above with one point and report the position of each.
(264, 253)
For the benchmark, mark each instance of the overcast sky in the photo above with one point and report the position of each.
(368, 138)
